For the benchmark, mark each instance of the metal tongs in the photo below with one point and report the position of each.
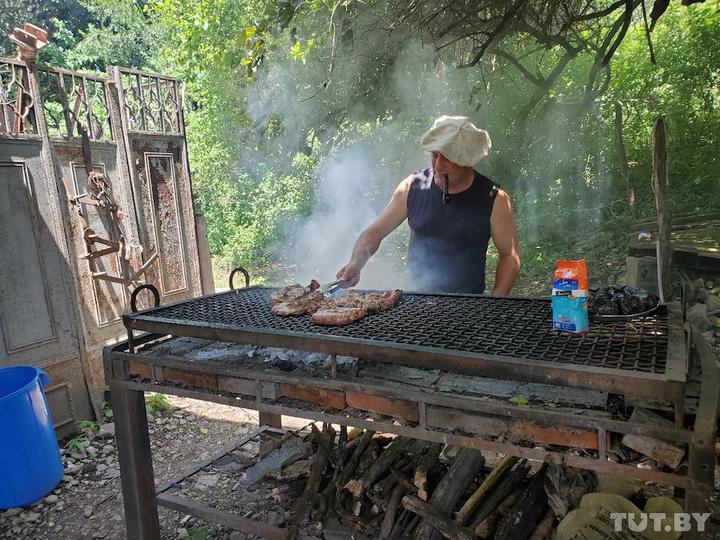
(331, 288)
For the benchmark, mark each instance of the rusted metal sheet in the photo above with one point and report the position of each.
(75, 255)
(38, 321)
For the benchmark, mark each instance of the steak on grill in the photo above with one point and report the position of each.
(306, 303)
(293, 292)
(371, 302)
(338, 316)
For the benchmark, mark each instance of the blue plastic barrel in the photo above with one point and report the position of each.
(30, 463)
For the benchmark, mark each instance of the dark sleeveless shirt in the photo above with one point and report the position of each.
(448, 242)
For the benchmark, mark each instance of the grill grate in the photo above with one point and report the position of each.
(506, 327)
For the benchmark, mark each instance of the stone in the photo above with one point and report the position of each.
(709, 337)
(206, 481)
(701, 295)
(709, 285)
(59, 507)
(91, 450)
(150, 417)
(112, 473)
(699, 283)
(101, 467)
(697, 316)
(182, 532)
(31, 517)
(99, 534)
(88, 511)
(107, 449)
(76, 455)
(237, 535)
(712, 302)
(107, 431)
(12, 512)
(276, 518)
(52, 499)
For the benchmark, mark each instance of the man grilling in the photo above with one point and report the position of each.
(452, 211)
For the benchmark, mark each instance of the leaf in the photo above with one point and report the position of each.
(519, 400)
(204, 431)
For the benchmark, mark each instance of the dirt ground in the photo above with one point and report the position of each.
(88, 502)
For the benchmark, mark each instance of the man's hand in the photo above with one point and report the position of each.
(349, 275)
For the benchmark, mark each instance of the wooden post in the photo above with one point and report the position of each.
(622, 159)
(663, 211)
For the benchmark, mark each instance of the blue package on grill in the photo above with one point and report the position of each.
(570, 297)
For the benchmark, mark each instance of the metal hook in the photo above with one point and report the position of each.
(133, 296)
(243, 272)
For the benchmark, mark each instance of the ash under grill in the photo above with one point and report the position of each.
(515, 328)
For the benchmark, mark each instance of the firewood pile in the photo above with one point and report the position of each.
(395, 487)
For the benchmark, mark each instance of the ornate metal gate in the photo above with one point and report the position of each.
(74, 244)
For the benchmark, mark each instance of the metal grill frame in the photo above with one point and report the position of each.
(669, 385)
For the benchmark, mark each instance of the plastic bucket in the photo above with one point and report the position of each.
(30, 463)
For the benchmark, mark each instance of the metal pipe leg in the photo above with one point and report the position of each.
(136, 471)
(269, 419)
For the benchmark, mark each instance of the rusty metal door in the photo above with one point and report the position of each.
(154, 138)
(38, 321)
(95, 199)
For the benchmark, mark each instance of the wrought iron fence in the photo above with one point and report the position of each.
(17, 107)
(73, 102)
(152, 102)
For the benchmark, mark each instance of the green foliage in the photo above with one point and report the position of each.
(78, 444)
(155, 403)
(107, 412)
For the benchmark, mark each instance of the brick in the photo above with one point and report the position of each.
(559, 436)
(443, 417)
(320, 396)
(197, 380)
(391, 407)
(139, 370)
(248, 387)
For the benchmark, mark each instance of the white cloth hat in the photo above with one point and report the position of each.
(458, 139)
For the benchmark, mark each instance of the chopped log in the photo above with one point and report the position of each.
(499, 494)
(378, 467)
(486, 528)
(466, 466)
(391, 512)
(402, 479)
(292, 450)
(664, 248)
(325, 446)
(527, 512)
(492, 480)
(312, 487)
(542, 531)
(421, 471)
(347, 472)
(663, 452)
(437, 519)
(274, 444)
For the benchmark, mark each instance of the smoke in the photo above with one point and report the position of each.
(378, 145)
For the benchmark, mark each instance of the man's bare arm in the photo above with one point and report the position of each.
(369, 240)
(504, 235)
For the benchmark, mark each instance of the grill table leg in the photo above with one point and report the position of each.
(136, 471)
(269, 419)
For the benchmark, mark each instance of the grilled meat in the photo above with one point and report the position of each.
(293, 292)
(371, 302)
(307, 303)
(338, 316)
